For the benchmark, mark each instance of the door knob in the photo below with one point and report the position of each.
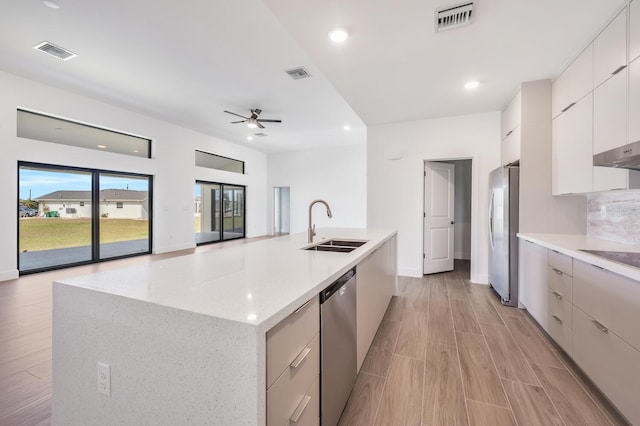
(453, 222)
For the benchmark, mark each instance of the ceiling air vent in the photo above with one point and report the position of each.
(53, 50)
(298, 73)
(454, 16)
(262, 135)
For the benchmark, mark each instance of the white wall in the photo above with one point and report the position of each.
(334, 174)
(172, 165)
(395, 186)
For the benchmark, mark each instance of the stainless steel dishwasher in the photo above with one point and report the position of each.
(337, 346)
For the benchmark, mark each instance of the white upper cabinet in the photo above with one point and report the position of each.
(633, 128)
(634, 30)
(571, 149)
(610, 49)
(511, 146)
(574, 83)
(610, 114)
(511, 115)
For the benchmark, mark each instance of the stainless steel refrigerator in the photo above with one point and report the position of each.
(503, 226)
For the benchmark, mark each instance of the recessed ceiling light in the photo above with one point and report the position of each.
(249, 138)
(136, 151)
(338, 35)
(102, 146)
(51, 4)
(252, 317)
(470, 85)
(347, 127)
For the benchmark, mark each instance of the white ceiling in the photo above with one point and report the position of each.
(186, 62)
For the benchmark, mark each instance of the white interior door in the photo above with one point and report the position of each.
(439, 187)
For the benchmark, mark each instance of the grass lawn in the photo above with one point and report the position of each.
(228, 223)
(51, 233)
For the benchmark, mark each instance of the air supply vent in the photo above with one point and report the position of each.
(456, 16)
(261, 135)
(298, 73)
(53, 50)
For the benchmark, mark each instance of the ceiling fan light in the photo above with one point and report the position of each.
(252, 123)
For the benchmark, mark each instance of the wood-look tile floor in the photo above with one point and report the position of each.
(448, 353)
(25, 337)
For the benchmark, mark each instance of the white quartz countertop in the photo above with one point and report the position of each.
(257, 283)
(572, 244)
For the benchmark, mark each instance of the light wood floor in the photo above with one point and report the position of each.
(448, 353)
(25, 337)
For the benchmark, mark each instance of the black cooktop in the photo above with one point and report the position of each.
(628, 258)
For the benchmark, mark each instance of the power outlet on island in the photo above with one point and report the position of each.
(104, 379)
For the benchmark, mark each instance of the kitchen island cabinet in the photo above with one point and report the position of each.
(185, 339)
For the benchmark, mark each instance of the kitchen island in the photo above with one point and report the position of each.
(185, 338)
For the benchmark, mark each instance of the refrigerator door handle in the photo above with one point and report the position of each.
(491, 220)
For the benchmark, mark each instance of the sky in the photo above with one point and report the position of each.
(41, 182)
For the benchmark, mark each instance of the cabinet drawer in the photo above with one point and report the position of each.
(289, 338)
(610, 298)
(610, 362)
(561, 262)
(560, 283)
(559, 309)
(560, 333)
(289, 393)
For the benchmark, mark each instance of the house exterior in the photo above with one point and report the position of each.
(114, 204)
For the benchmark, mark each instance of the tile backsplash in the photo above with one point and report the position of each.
(614, 216)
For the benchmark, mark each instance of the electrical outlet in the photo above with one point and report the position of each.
(104, 379)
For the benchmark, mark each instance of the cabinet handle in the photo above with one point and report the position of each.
(618, 69)
(600, 326)
(557, 271)
(301, 356)
(565, 109)
(300, 409)
(302, 307)
(509, 132)
(555, 317)
(557, 295)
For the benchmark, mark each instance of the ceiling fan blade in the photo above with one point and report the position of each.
(241, 121)
(238, 115)
(269, 121)
(260, 125)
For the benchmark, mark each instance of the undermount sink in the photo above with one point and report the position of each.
(338, 246)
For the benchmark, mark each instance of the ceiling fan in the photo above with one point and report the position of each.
(253, 121)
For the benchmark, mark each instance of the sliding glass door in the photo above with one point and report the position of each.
(54, 217)
(219, 212)
(124, 215)
(69, 216)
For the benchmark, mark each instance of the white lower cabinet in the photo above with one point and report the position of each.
(612, 364)
(532, 280)
(295, 396)
(375, 281)
(293, 367)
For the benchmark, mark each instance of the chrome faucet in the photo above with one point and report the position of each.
(312, 228)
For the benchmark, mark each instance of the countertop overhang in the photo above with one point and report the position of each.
(257, 284)
(572, 245)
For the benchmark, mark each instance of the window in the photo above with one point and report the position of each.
(42, 127)
(76, 218)
(217, 162)
(219, 212)
(119, 205)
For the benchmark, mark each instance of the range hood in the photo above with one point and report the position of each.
(624, 157)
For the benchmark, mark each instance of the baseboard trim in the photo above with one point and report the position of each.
(409, 272)
(11, 274)
(168, 249)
